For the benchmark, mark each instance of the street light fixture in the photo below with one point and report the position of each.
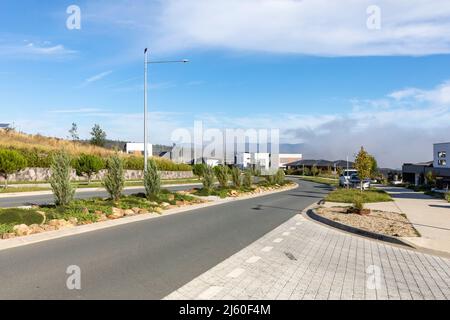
(146, 63)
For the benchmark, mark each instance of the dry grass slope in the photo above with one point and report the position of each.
(17, 140)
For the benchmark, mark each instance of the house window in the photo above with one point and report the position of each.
(442, 162)
(442, 154)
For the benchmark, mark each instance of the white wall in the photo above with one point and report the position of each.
(139, 147)
(444, 148)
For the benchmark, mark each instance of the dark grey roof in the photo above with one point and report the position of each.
(4, 125)
(320, 163)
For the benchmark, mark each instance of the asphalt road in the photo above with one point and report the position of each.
(18, 201)
(147, 259)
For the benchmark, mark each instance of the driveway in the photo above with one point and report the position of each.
(430, 216)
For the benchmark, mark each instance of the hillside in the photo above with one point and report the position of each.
(23, 141)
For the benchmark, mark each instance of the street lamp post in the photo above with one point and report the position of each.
(146, 63)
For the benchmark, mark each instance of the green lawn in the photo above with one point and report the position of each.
(22, 189)
(12, 217)
(348, 195)
(329, 181)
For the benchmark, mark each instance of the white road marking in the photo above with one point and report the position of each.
(286, 233)
(209, 293)
(278, 240)
(253, 259)
(266, 249)
(236, 273)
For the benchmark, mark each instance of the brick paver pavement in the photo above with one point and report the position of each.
(304, 260)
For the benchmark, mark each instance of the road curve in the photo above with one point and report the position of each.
(147, 259)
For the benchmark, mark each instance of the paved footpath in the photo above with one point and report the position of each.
(430, 216)
(302, 259)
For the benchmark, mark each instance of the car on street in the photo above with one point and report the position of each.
(355, 182)
(344, 178)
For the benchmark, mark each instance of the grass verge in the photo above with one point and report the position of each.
(348, 195)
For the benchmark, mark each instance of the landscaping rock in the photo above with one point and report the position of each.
(8, 236)
(35, 228)
(165, 204)
(102, 217)
(129, 212)
(170, 197)
(85, 211)
(136, 210)
(143, 211)
(48, 227)
(158, 210)
(98, 212)
(22, 230)
(117, 212)
(73, 221)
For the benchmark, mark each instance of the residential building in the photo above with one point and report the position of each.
(415, 173)
(138, 148)
(285, 158)
(321, 164)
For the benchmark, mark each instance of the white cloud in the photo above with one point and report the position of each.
(32, 50)
(312, 27)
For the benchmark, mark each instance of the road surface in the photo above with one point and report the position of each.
(147, 259)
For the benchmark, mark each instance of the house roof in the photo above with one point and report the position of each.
(320, 163)
(4, 125)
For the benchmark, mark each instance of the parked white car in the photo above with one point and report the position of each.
(344, 179)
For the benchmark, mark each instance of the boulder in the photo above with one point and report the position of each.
(8, 236)
(35, 228)
(73, 221)
(165, 204)
(158, 210)
(48, 227)
(129, 212)
(102, 217)
(143, 211)
(136, 210)
(98, 212)
(22, 230)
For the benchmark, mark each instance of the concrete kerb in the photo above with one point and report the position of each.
(312, 216)
(40, 237)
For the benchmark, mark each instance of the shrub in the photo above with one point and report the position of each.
(270, 179)
(279, 177)
(358, 204)
(152, 180)
(16, 216)
(114, 180)
(10, 162)
(236, 177)
(137, 163)
(248, 179)
(222, 175)
(447, 196)
(208, 179)
(198, 169)
(60, 179)
(87, 165)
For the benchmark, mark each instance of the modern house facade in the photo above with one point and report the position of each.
(320, 164)
(415, 173)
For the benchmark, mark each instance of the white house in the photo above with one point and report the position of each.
(138, 148)
(441, 154)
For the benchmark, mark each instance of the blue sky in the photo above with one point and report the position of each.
(313, 69)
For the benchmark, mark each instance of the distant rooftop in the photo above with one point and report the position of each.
(4, 125)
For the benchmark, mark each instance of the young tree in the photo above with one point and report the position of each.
(10, 162)
(222, 175)
(363, 164)
(430, 179)
(208, 178)
(152, 180)
(314, 170)
(373, 167)
(236, 177)
(198, 169)
(114, 180)
(98, 136)
(60, 179)
(280, 177)
(88, 165)
(248, 179)
(74, 132)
